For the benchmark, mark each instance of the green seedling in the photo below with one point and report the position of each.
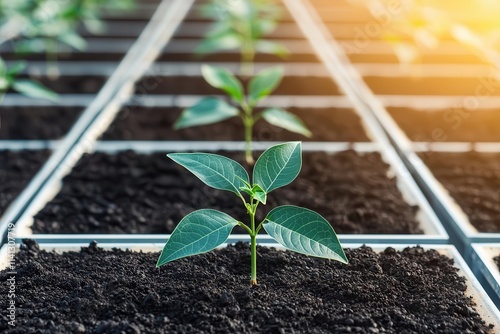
(297, 229)
(242, 25)
(49, 28)
(212, 110)
(9, 80)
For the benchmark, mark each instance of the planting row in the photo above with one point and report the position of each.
(382, 289)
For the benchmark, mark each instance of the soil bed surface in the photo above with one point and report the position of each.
(473, 180)
(69, 84)
(16, 170)
(198, 86)
(139, 193)
(76, 56)
(32, 123)
(97, 291)
(236, 57)
(156, 124)
(456, 125)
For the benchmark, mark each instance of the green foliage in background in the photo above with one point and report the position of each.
(242, 25)
(212, 110)
(9, 80)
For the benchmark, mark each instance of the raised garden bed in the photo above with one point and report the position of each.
(85, 291)
(457, 125)
(296, 57)
(16, 170)
(198, 86)
(329, 124)
(473, 180)
(486, 265)
(137, 193)
(36, 123)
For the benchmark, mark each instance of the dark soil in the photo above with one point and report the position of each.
(16, 170)
(37, 122)
(97, 291)
(497, 261)
(69, 84)
(451, 125)
(156, 124)
(137, 193)
(198, 86)
(473, 180)
(236, 57)
(75, 56)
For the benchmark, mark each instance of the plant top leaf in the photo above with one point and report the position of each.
(284, 119)
(34, 89)
(207, 111)
(225, 41)
(264, 83)
(199, 232)
(221, 78)
(304, 231)
(214, 170)
(271, 47)
(278, 166)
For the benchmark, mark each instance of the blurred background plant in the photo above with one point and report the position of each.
(242, 25)
(35, 26)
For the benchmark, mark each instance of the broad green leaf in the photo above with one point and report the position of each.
(264, 83)
(15, 69)
(271, 48)
(214, 170)
(278, 166)
(304, 231)
(199, 232)
(220, 29)
(207, 111)
(263, 27)
(74, 40)
(34, 89)
(30, 46)
(224, 42)
(221, 78)
(286, 120)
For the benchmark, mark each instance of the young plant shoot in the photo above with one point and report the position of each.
(212, 110)
(241, 25)
(8, 80)
(298, 229)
